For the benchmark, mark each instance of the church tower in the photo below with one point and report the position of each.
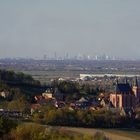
(135, 87)
(136, 92)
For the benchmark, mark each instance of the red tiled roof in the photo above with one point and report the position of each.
(39, 97)
(35, 106)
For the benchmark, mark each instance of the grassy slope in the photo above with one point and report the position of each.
(111, 133)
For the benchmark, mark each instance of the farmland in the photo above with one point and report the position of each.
(45, 70)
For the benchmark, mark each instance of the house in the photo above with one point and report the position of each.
(82, 103)
(35, 107)
(48, 94)
(126, 96)
(40, 100)
(95, 102)
(82, 99)
(106, 103)
(38, 97)
(58, 95)
(4, 94)
(59, 104)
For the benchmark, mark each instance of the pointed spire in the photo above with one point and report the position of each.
(126, 81)
(131, 84)
(136, 82)
(116, 87)
(117, 81)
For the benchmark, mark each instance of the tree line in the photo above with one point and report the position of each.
(11, 77)
(84, 118)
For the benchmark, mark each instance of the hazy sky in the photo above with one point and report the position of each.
(37, 27)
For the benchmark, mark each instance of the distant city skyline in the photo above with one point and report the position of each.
(68, 28)
(67, 56)
(80, 57)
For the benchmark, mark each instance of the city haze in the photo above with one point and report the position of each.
(77, 27)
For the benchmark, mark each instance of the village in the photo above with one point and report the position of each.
(69, 70)
(82, 102)
(123, 100)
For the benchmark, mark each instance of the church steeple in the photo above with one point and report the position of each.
(126, 81)
(116, 86)
(136, 82)
(117, 81)
(136, 92)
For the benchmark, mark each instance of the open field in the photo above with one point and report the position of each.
(113, 134)
(44, 70)
(46, 76)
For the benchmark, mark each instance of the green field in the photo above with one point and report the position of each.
(46, 76)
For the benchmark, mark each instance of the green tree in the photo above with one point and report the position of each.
(6, 125)
(28, 132)
(19, 104)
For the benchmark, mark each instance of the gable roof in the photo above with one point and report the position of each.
(35, 106)
(83, 100)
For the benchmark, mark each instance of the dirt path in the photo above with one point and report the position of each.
(111, 135)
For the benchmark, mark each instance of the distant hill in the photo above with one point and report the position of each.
(27, 85)
(10, 77)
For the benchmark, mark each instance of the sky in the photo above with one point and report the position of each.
(33, 28)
